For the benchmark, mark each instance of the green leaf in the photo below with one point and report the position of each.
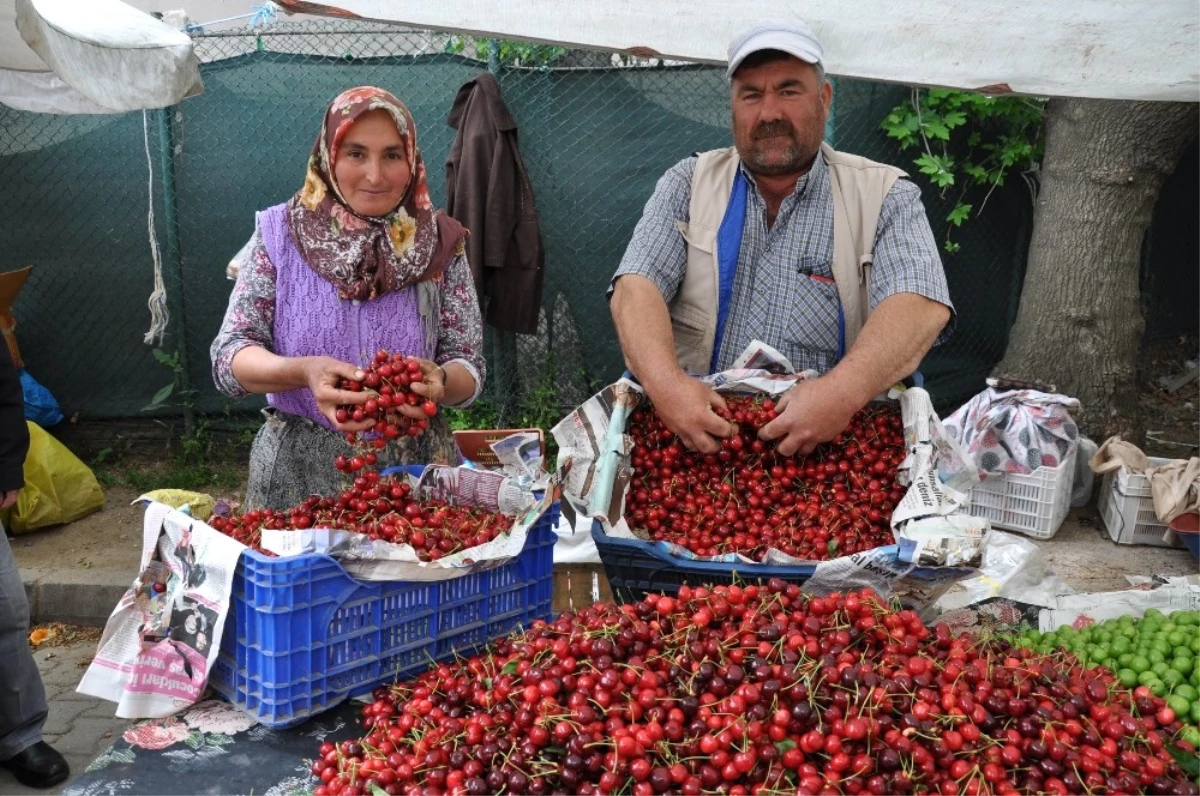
(509, 668)
(934, 128)
(959, 214)
(832, 546)
(976, 173)
(954, 119)
(785, 744)
(113, 755)
(377, 791)
(164, 358)
(937, 168)
(160, 398)
(1186, 760)
(951, 247)
(195, 740)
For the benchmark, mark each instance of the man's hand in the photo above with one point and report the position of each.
(9, 498)
(688, 407)
(810, 413)
(323, 375)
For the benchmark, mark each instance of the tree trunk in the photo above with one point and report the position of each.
(1080, 323)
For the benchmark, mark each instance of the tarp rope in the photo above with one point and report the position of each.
(159, 316)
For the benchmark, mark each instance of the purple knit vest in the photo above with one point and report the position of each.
(312, 320)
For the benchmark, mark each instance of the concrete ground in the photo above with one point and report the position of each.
(76, 573)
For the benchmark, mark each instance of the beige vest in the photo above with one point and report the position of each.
(859, 187)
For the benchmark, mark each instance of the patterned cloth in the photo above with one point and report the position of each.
(363, 256)
(1015, 431)
(214, 748)
(783, 292)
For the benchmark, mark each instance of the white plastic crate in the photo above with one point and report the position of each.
(1127, 506)
(1034, 504)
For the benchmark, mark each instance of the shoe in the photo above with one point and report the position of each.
(38, 766)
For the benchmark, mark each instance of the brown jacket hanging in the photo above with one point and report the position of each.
(488, 191)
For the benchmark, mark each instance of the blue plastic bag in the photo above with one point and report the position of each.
(40, 406)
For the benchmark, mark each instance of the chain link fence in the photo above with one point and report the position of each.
(596, 132)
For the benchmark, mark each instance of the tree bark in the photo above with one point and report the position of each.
(1080, 324)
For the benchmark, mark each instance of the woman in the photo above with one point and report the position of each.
(358, 260)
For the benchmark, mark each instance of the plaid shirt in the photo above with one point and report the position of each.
(775, 297)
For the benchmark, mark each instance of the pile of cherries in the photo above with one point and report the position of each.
(383, 508)
(757, 690)
(388, 379)
(747, 499)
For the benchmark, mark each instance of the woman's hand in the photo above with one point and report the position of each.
(432, 388)
(323, 374)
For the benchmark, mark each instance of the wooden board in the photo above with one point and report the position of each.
(578, 586)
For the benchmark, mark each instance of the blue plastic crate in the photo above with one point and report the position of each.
(635, 568)
(303, 635)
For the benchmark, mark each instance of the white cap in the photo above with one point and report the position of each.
(794, 38)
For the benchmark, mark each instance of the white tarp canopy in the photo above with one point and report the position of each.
(91, 56)
(1108, 49)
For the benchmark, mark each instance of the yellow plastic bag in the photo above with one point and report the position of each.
(58, 486)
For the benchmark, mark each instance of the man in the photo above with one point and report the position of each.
(825, 256)
(22, 697)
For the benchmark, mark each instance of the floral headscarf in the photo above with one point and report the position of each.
(364, 256)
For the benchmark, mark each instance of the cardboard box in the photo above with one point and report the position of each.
(11, 283)
(473, 444)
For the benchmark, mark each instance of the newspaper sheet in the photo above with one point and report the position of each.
(594, 471)
(1080, 610)
(374, 560)
(163, 637)
(520, 457)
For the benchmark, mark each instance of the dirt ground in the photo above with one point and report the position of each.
(1172, 418)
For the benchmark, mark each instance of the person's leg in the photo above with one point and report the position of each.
(22, 696)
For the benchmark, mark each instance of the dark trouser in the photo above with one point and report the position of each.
(22, 696)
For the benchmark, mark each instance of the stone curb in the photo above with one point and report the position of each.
(76, 596)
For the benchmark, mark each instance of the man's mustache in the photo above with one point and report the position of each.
(773, 129)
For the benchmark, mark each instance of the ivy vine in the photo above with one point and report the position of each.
(968, 140)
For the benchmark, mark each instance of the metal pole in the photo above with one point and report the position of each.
(493, 56)
(173, 257)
